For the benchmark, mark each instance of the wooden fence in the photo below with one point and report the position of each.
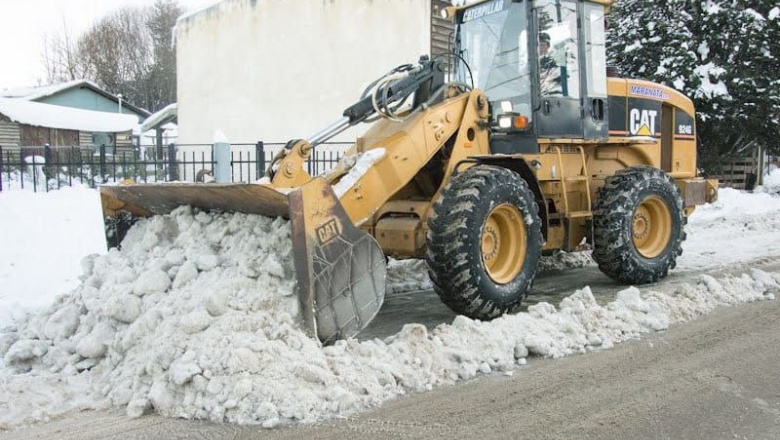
(739, 172)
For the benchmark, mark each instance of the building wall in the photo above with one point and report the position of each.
(85, 138)
(273, 70)
(10, 135)
(86, 99)
(35, 136)
(13, 135)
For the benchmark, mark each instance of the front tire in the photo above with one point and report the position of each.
(638, 225)
(484, 242)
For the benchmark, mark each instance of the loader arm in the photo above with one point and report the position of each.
(384, 97)
(398, 151)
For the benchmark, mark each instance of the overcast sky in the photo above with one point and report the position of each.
(23, 24)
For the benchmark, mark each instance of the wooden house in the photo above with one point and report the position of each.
(75, 113)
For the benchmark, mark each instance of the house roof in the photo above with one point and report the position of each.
(162, 117)
(38, 92)
(67, 118)
(41, 92)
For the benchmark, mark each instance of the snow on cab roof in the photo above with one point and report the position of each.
(66, 118)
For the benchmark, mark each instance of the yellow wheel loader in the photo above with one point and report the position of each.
(521, 145)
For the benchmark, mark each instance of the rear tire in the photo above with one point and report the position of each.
(638, 225)
(484, 242)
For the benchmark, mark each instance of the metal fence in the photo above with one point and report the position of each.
(48, 168)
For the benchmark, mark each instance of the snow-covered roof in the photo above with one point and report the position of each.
(38, 92)
(67, 118)
(162, 117)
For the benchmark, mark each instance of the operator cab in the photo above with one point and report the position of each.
(542, 65)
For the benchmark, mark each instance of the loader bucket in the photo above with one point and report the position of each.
(340, 269)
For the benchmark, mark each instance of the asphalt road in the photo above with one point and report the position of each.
(713, 378)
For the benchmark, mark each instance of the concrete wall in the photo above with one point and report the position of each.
(273, 70)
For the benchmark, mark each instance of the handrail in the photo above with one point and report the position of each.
(587, 178)
(562, 180)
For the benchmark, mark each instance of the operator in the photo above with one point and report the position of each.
(549, 71)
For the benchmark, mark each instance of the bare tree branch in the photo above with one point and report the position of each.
(129, 51)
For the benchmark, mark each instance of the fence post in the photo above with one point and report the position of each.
(47, 166)
(1, 168)
(103, 163)
(259, 160)
(34, 172)
(173, 167)
(222, 165)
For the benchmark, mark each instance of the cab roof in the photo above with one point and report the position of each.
(463, 4)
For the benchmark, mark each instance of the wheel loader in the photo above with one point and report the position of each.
(514, 144)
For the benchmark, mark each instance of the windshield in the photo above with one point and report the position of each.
(495, 48)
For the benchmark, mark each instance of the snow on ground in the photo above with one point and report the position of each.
(195, 318)
(772, 181)
(739, 227)
(43, 237)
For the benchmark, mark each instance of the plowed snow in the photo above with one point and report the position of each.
(196, 318)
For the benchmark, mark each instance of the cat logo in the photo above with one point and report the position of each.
(328, 231)
(642, 122)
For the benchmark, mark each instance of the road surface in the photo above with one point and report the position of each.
(713, 378)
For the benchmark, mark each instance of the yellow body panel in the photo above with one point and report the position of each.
(410, 145)
(390, 202)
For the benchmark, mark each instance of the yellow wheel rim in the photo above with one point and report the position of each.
(652, 227)
(503, 243)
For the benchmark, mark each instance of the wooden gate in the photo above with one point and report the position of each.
(739, 172)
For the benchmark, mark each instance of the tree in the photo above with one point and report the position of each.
(721, 53)
(161, 21)
(60, 56)
(118, 53)
(129, 51)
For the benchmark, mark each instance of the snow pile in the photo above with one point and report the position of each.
(738, 211)
(407, 276)
(196, 318)
(738, 228)
(43, 237)
(30, 176)
(190, 298)
(772, 182)
(563, 260)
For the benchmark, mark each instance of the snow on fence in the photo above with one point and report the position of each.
(48, 168)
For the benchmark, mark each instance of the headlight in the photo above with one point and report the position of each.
(513, 122)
